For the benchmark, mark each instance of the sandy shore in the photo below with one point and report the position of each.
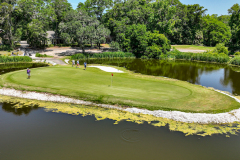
(204, 118)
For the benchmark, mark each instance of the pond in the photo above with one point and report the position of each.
(40, 133)
(33, 133)
(218, 76)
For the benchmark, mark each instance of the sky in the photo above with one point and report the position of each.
(219, 7)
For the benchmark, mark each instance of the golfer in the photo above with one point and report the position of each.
(28, 73)
(77, 64)
(85, 65)
(73, 62)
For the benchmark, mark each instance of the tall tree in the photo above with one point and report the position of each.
(36, 33)
(61, 7)
(79, 27)
(156, 15)
(96, 7)
(234, 23)
(8, 22)
(215, 31)
(188, 28)
(35, 9)
(100, 34)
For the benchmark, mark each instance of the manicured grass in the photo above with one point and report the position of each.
(128, 89)
(193, 47)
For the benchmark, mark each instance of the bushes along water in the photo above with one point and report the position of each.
(208, 56)
(7, 59)
(103, 55)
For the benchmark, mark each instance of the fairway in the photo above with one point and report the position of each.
(128, 89)
(193, 47)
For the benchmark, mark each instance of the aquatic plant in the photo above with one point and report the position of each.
(118, 116)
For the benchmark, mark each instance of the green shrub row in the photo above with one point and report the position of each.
(6, 59)
(20, 65)
(103, 55)
(206, 56)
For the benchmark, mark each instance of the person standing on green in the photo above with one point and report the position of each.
(85, 65)
(28, 73)
(73, 62)
(77, 64)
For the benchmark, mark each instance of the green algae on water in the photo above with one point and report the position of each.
(117, 116)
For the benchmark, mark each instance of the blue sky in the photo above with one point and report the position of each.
(219, 7)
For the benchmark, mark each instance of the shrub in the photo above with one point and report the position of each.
(206, 56)
(153, 51)
(114, 46)
(41, 55)
(50, 45)
(220, 48)
(237, 53)
(103, 55)
(7, 59)
(235, 60)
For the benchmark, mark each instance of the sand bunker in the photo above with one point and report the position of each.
(108, 69)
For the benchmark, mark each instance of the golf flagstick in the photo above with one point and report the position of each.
(111, 79)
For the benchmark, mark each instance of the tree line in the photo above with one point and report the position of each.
(143, 27)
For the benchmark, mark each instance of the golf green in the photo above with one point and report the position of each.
(127, 89)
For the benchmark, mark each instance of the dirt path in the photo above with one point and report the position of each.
(55, 60)
(56, 52)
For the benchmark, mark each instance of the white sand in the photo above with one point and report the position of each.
(47, 61)
(66, 61)
(108, 69)
(204, 118)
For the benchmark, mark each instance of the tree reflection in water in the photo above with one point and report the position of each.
(7, 107)
(232, 77)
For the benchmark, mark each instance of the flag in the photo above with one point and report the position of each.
(112, 74)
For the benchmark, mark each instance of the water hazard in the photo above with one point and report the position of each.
(30, 132)
(36, 134)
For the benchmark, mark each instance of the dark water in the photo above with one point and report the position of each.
(32, 133)
(35, 134)
(222, 77)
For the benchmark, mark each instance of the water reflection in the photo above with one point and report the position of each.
(11, 108)
(219, 76)
(232, 78)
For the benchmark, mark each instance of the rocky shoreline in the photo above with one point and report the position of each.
(203, 118)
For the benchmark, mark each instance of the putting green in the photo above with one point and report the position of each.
(127, 89)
